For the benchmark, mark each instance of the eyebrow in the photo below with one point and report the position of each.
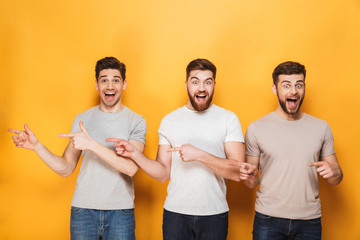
(287, 81)
(107, 76)
(196, 78)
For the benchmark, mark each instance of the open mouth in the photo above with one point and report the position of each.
(109, 96)
(201, 98)
(292, 102)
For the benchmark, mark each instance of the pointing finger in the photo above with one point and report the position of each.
(315, 164)
(67, 135)
(14, 131)
(174, 149)
(113, 140)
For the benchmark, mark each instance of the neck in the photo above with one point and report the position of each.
(116, 108)
(290, 117)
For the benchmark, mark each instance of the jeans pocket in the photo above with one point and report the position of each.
(262, 216)
(76, 210)
(314, 221)
(127, 211)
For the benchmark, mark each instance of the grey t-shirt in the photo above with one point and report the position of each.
(99, 186)
(288, 186)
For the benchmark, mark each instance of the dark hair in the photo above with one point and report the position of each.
(110, 63)
(288, 68)
(200, 64)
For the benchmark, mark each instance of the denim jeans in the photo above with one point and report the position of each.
(90, 224)
(273, 228)
(178, 226)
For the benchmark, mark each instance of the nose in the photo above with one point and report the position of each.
(109, 85)
(293, 90)
(201, 87)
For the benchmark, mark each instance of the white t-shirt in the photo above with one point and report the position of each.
(99, 186)
(194, 188)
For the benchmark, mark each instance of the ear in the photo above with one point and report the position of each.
(96, 85)
(274, 89)
(124, 84)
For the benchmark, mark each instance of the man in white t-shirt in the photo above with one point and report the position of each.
(199, 145)
(291, 148)
(103, 200)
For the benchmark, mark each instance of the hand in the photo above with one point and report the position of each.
(80, 140)
(324, 168)
(24, 139)
(122, 147)
(247, 171)
(188, 152)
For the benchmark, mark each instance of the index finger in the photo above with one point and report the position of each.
(14, 131)
(174, 149)
(113, 140)
(316, 164)
(67, 135)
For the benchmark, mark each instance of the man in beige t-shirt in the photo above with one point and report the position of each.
(291, 148)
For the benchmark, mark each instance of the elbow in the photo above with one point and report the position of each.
(132, 172)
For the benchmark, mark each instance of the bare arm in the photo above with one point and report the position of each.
(63, 166)
(328, 167)
(158, 169)
(235, 152)
(83, 141)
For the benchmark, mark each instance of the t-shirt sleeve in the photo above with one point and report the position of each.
(139, 131)
(234, 132)
(328, 144)
(161, 132)
(251, 143)
(75, 126)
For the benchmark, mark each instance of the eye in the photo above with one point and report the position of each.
(298, 85)
(103, 80)
(208, 82)
(195, 82)
(116, 80)
(286, 86)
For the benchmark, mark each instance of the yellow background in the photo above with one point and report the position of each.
(48, 51)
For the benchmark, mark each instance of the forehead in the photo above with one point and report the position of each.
(292, 78)
(201, 75)
(109, 72)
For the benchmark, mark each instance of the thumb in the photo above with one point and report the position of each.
(83, 129)
(27, 129)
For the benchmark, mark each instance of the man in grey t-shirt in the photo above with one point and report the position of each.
(291, 148)
(103, 200)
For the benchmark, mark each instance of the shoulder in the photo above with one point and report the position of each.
(86, 114)
(132, 114)
(315, 122)
(175, 114)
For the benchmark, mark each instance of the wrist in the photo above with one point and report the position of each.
(37, 147)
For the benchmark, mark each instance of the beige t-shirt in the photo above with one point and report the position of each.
(288, 186)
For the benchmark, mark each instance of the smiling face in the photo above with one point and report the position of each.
(200, 87)
(290, 90)
(110, 86)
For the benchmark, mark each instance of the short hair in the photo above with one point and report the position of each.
(288, 68)
(110, 63)
(200, 64)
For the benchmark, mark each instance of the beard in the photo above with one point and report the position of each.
(283, 106)
(202, 106)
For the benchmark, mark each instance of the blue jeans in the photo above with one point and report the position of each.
(273, 228)
(90, 224)
(178, 226)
